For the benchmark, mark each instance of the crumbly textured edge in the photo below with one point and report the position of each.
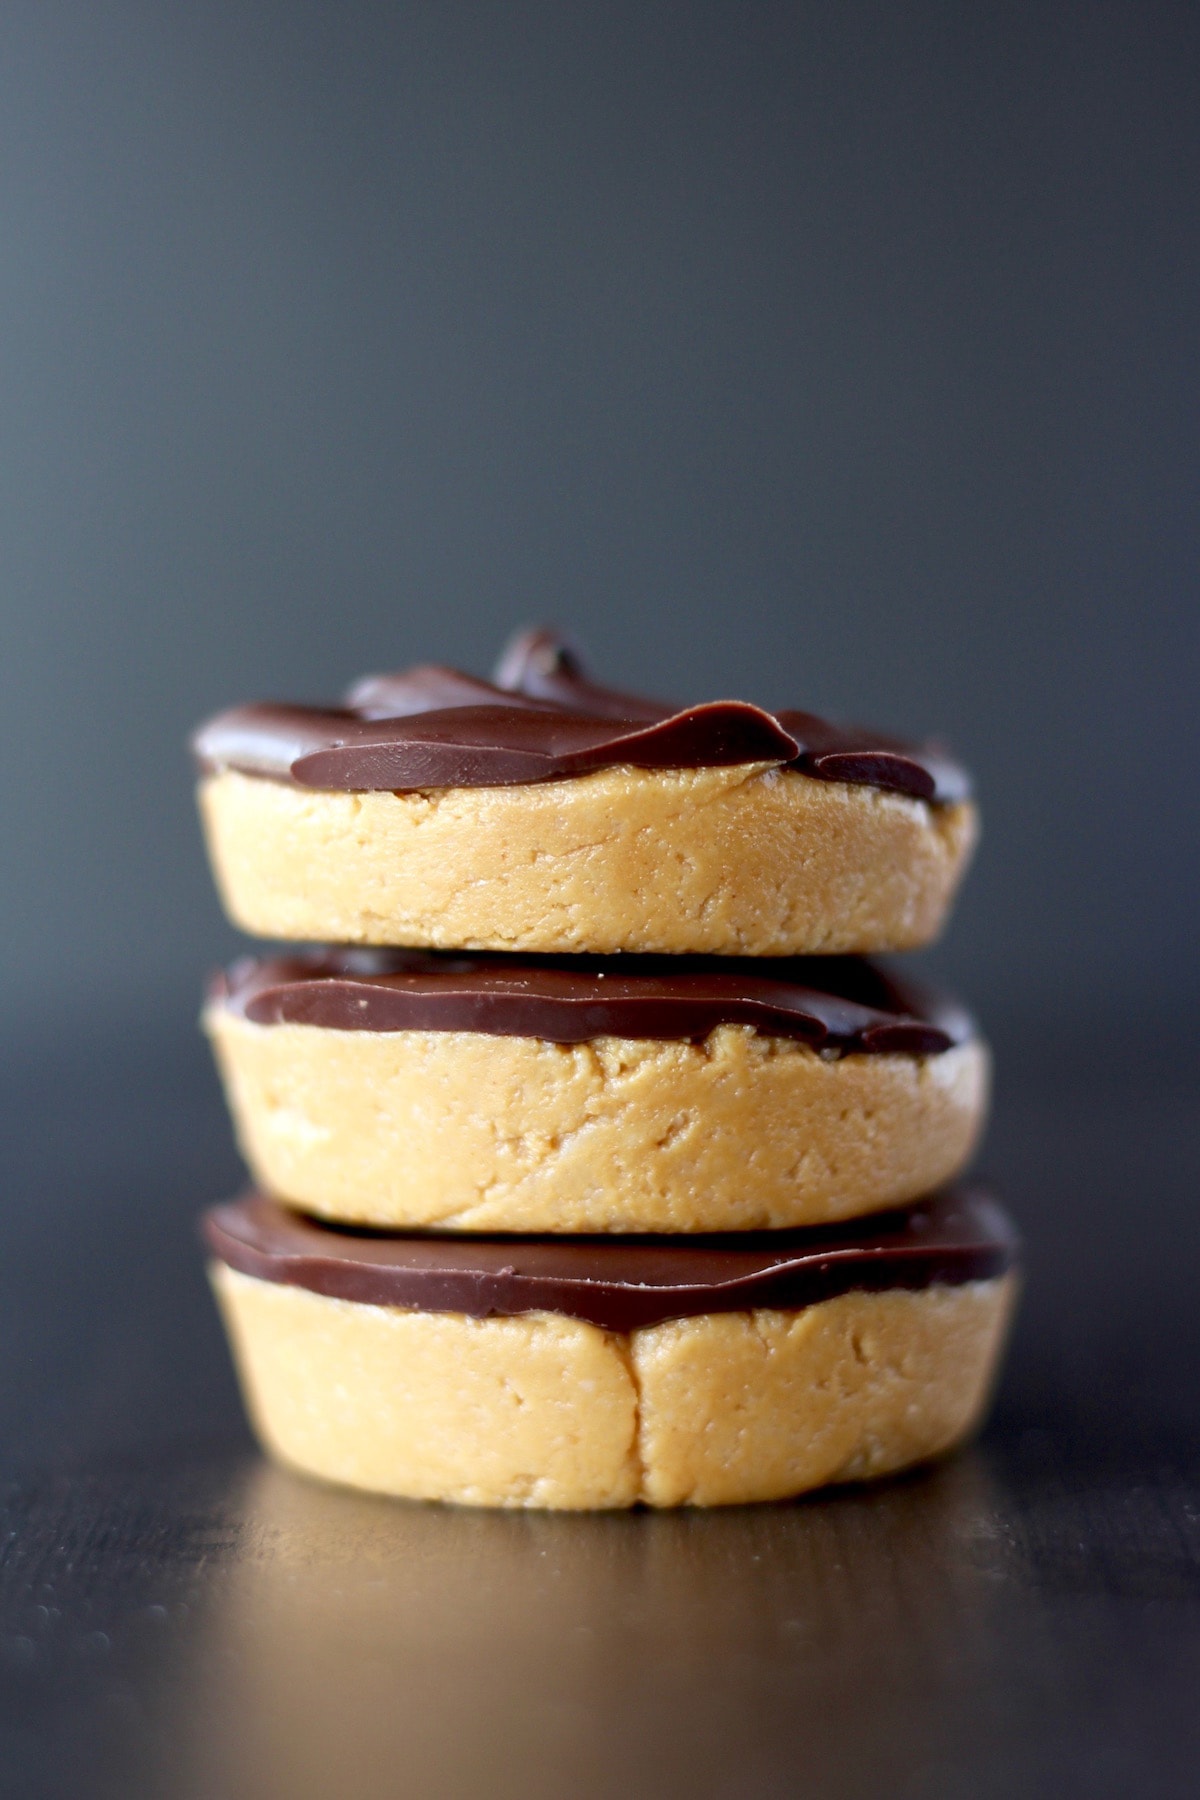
(746, 860)
(470, 1132)
(547, 1411)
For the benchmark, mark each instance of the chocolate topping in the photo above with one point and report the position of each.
(835, 1004)
(541, 720)
(618, 1283)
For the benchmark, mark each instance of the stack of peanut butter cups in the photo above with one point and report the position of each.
(596, 1164)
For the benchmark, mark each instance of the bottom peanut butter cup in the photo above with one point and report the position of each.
(607, 1372)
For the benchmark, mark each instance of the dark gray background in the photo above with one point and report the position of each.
(844, 356)
(841, 356)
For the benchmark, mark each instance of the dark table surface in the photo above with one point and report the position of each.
(179, 1619)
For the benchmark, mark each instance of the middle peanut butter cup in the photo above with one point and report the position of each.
(400, 1089)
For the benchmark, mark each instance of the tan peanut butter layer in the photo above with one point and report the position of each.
(748, 860)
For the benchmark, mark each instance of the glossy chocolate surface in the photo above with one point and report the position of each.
(618, 1283)
(835, 1004)
(542, 719)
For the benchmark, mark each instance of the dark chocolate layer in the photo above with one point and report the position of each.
(618, 1283)
(541, 720)
(838, 1004)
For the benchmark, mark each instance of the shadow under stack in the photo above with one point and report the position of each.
(596, 1163)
